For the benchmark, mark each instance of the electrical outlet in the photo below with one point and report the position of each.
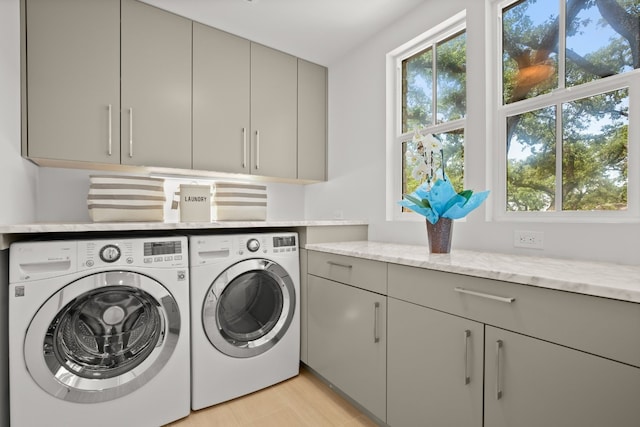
(528, 239)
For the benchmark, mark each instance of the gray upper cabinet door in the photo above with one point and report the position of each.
(221, 100)
(533, 383)
(73, 79)
(273, 112)
(434, 368)
(156, 87)
(312, 121)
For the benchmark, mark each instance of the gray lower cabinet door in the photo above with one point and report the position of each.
(274, 111)
(156, 87)
(533, 383)
(73, 80)
(221, 100)
(347, 340)
(434, 368)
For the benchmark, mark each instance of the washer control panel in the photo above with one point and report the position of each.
(148, 252)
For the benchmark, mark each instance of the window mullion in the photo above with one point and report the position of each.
(559, 157)
(434, 87)
(562, 44)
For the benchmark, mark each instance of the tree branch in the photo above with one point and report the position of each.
(624, 23)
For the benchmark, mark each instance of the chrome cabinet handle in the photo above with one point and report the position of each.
(508, 300)
(244, 147)
(339, 264)
(376, 316)
(498, 376)
(110, 141)
(467, 336)
(130, 132)
(257, 149)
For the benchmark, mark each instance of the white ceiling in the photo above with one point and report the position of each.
(320, 31)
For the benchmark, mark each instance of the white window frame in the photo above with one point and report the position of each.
(394, 135)
(496, 165)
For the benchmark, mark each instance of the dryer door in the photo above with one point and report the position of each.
(249, 307)
(102, 336)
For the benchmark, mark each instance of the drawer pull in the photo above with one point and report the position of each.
(376, 315)
(508, 300)
(498, 376)
(467, 336)
(337, 264)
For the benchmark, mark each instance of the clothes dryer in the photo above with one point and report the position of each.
(245, 300)
(99, 332)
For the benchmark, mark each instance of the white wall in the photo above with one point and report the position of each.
(357, 153)
(18, 177)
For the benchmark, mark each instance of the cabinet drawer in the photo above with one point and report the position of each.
(601, 326)
(358, 272)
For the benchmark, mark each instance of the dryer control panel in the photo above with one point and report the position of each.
(222, 248)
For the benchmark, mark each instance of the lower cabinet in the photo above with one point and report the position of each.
(447, 350)
(347, 342)
(533, 383)
(435, 368)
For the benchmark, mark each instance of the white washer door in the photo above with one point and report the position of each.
(249, 307)
(102, 336)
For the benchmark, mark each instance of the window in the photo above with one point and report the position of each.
(426, 78)
(565, 118)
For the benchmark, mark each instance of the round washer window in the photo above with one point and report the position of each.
(115, 331)
(105, 333)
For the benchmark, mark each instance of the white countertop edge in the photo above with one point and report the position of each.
(143, 226)
(608, 280)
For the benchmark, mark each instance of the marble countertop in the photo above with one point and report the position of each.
(7, 231)
(621, 282)
(44, 227)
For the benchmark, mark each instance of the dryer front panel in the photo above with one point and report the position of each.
(102, 336)
(249, 307)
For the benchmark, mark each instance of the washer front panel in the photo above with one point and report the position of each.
(102, 336)
(249, 307)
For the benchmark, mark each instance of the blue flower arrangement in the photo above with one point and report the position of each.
(440, 200)
(436, 198)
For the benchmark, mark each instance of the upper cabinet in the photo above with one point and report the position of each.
(273, 112)
(156, 87)
(73, 80)
(221, 101)
(123, 82)
(312, 121)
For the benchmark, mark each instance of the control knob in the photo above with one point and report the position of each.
(110, 253)
(253, 245)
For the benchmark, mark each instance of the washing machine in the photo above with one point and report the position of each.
(245, 314)
(99, 332)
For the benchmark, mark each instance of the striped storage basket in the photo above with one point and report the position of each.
(239, 201)
(125, 198)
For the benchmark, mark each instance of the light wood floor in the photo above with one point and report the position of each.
(297, 402)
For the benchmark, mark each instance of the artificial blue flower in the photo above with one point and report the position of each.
(442, 201)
